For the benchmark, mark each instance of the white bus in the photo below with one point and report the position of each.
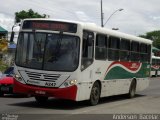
(79, 61)
(155, 67)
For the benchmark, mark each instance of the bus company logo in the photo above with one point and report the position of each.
(42, 77)
(134, 66)
(131, 67)
(98, 71)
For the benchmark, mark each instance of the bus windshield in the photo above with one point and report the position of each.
(47, 51)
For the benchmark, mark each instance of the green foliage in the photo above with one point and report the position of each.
(154, 36)
(27, 14)
(3, 66)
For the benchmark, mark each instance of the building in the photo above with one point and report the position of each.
(3, 33)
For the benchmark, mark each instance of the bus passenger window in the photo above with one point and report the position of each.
(125, 50)
(135, 52)
(153, 61)
(143, 52)
(113, 50)
(149, 53)
(87, 49)
(101, 47)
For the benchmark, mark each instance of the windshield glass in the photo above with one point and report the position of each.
(48, 51)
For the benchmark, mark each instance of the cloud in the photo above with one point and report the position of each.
(134, 19)
(82, 16)
(6, 21)
(155, 17)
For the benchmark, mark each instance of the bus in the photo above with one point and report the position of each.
(79, 61)
(155, 67)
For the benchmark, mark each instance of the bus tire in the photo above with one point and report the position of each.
(132, 89)
(41, 99)
(1, 94)
(95, 94)
(156, 73)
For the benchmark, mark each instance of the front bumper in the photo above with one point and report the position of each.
(64, 93)
(6, 89)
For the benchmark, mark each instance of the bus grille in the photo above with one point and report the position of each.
(42, 76)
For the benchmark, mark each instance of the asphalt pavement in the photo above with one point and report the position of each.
(22, 107)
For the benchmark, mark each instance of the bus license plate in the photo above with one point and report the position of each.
(40, 92)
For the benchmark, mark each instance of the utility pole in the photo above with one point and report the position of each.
(101, 14)
(120, 9)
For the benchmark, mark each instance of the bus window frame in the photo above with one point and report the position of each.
(85, 60)
(113, 49)
(105, 47)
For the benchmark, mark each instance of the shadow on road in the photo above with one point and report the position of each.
(117, 98)
(14, 96)
(59, 104)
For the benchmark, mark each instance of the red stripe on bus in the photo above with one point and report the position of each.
(133, 66)
(64, 93)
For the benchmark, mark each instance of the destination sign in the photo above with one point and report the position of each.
(49, 25)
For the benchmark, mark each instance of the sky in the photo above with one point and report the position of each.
(138, 16)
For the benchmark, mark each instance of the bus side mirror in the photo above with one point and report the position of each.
(12, 33)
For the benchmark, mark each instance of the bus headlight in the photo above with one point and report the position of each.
(70, 83)
(73, 82)
(19, 78)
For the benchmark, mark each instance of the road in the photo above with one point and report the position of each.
(147, 101)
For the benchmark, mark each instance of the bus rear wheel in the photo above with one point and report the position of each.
(156, 73)
(41, 99)
(132, 90)
(95, 94)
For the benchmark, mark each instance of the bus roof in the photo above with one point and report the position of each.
(155, 57)
(98, 29)
(115, 33)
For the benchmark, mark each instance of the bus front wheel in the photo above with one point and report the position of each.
(95, 94)
(1, 94)
(41, 99)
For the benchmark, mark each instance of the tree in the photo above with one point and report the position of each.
(154, 36)
(27, 14)
(3, 45)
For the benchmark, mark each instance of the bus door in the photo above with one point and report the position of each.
(87, 54)
(87, 59)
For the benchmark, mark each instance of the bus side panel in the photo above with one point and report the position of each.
(84, 90)
(117, 77)
(110, 86)
(142, 84)
(153, 72)
(85, 83)
(115, 87)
